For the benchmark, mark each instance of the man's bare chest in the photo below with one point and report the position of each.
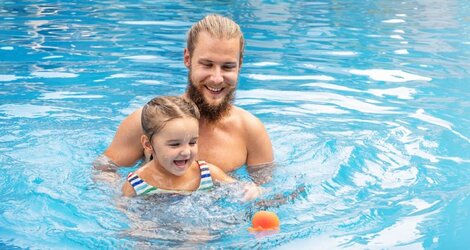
(224, 149)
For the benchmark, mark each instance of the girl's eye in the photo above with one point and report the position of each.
(193, 143)
(174, 144)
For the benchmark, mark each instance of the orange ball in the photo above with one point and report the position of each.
(264, 220)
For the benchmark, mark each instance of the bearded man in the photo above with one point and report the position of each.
(229, 137)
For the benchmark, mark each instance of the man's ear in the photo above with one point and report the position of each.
(187, 58)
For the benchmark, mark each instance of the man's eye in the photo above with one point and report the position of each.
(229, 67)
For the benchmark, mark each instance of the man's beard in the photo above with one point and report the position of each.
(210, 113)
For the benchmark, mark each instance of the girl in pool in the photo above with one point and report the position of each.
(171, 130)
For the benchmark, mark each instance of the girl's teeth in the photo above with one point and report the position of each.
(180, 162)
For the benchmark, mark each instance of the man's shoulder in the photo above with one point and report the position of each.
(134, 116)
(244, 117)
(241, 113)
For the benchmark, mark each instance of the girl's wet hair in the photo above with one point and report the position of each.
(158, 111)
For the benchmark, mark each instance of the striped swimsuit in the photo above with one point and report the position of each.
(143, 188)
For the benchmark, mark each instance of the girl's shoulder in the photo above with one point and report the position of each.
(142, 171)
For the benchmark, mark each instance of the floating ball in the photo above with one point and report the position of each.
(264, 220)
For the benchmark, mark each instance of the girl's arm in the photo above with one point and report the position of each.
(219, 175)
(251, 190)
(128, 190)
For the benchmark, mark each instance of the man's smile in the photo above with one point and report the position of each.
(215, 90)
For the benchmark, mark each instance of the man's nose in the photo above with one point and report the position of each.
(217, 77)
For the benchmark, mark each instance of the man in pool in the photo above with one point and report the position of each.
(229, 136)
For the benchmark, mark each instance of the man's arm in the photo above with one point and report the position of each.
(260, 159)
(126, 149)
(251, 190)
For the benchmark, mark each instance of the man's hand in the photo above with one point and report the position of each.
(251, 191)
(103, 163)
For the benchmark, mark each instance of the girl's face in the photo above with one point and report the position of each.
(175, 146)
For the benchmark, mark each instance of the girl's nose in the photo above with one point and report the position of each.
(186, 151)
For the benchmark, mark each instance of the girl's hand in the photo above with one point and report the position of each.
(251, 191)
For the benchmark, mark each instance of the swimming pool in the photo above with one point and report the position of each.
(367, 106)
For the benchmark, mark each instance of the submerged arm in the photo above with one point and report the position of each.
(126, 149)
(260, 159)
(251, 190)
(261, 173)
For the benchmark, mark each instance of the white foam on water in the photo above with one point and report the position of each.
(142, 58)
(120, 75)
(262, 77)
(419, 204)
(404, 232)
(397, 37)
(8, 78)
(150, 82)
(53, 74)
(342, 53)
(159, 23)
(393, 21)
(51, 57)
(421, 115)
(389, 75)
(261, 64)
(27, 110)
(330, 86)
(401, 52)
(318, 97)
(315, 109)
(400, 92)
(68, 95)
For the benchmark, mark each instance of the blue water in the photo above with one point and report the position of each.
(366, 103)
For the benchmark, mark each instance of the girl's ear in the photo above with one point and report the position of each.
(144, 140)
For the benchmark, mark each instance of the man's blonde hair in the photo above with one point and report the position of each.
(218, 27)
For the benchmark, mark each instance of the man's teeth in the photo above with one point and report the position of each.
(214, 89)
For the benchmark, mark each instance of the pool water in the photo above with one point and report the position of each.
(367, 106)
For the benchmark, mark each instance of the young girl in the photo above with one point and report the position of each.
(171, 130)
